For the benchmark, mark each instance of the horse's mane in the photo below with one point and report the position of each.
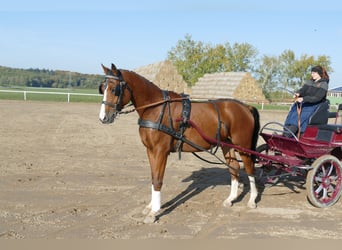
(149, 83)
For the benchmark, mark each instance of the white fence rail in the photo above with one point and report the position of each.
(68, 94)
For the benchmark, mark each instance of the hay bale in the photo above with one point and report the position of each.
(237, 85)
(165, 75)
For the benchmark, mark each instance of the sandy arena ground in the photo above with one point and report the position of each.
(64, 175)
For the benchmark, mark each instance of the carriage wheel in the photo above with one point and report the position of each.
(323, 182)
(266, 173)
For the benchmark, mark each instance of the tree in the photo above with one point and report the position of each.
(187, 57)
(46, 78)
(287, 68)
(240, 57)
(267, 74)
(286, 71)
(194, 59)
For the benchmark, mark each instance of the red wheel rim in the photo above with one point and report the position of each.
(327, 182)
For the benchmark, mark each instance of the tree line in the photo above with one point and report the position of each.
(193, 59)
(47, 78)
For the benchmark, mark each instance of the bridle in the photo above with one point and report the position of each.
(117, 91)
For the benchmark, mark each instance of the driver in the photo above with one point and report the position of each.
(307, 99)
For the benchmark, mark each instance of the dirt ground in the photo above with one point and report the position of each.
(64, 175)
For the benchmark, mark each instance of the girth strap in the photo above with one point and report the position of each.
(160, 127)
(184, 123)
(218, 137)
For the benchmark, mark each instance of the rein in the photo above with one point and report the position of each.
(168, 129)
(153, 104)
(299, 111)
(123, 84)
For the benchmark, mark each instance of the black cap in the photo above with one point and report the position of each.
(318, 69)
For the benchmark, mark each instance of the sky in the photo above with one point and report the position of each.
(79, 36)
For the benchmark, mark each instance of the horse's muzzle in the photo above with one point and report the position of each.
(108, 118)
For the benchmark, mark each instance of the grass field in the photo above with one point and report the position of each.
(50, 94)
(81, 95)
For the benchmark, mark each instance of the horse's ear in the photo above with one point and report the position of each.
(105, 69)
(114, 69)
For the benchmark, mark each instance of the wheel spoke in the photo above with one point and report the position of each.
(330, 169)
(318, 179)
(333, 178)
(325, 193)
(331, 188)
(323, 170)
(319, 189)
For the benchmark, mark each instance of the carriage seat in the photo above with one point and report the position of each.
(321, 114)
(325, 132)
(331, 127)
(320, 118)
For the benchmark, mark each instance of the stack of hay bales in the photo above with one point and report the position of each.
(237, 85)
(165, 75)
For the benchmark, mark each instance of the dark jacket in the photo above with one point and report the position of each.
(314, 92)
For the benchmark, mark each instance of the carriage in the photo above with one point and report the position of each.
(171, 122)
(315, 155)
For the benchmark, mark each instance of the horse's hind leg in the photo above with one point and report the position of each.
(234, 172)
(249, 168)
(234, 168)
(254, 192)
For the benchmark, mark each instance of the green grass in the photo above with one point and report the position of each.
(79, 98)
(50, 97)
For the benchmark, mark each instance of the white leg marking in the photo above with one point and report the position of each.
(233, 193)
(156, 200)
(254, 192)
(151, 209)
(102, 110)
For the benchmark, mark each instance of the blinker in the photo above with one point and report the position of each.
(117, 90)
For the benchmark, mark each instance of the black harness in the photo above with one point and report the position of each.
(184, 124)
(169, 128)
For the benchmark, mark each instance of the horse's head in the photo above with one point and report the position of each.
(114, 90)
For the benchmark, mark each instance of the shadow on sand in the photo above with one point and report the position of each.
(200, 181)
(211, 177)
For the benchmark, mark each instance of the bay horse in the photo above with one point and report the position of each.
(170, 122)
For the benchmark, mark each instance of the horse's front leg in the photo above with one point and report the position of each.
(157, 163)
(155, 202)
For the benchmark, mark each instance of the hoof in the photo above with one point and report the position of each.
(251, 205)
(227, 203)
(150, 218)
(147, 209)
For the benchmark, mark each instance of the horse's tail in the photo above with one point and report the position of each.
(256, 116)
